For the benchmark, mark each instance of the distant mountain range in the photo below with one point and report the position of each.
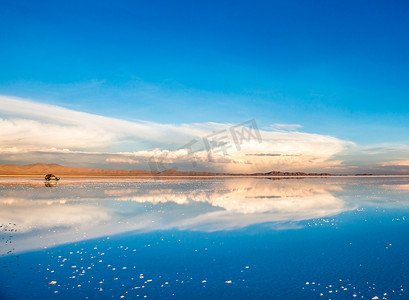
(42, 169)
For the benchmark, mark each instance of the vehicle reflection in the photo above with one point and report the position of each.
(50, 184)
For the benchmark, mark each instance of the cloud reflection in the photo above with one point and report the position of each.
(71, 212)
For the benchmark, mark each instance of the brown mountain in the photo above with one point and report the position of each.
(42, 169)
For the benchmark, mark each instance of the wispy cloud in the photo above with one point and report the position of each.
(375, 159)
(122, 160)
(285, 126)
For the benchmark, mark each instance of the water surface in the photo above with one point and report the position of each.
(235, 238)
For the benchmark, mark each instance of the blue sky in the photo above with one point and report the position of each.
(338, 69)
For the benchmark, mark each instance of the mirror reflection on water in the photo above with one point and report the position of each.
(231, 237)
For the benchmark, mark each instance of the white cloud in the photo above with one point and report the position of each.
(41, 132)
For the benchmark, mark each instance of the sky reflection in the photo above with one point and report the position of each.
(77, 210)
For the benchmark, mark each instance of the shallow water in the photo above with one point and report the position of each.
(235, 238)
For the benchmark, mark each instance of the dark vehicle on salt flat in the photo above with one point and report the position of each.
(50, 177)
